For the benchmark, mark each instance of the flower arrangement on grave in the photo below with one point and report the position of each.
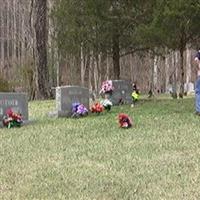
(135, 96)
(107, 87)
(12, 119)
(124, 120)
(107, 104)
(97, 108)
(79, 110)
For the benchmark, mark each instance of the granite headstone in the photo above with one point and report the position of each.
(18, 102)
(122, 92)
(65, 96)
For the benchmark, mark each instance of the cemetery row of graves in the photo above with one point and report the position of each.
(71, 101)
(91, 157)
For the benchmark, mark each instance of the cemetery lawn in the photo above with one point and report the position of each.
(93, 159)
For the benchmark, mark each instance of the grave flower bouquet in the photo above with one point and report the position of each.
(107, 104)
(107, 87)
(79, 110)
(124, 120)
(12, 119)
(97, 108)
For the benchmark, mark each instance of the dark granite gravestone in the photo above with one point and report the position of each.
(18, 102)
(122, 92)
(65, 96)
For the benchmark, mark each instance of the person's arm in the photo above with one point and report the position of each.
(197, 60)
(198, 72)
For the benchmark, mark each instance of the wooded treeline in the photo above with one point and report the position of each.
(46, 43)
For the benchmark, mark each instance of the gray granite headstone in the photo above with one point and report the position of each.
(65, 96)
(18, 102)
(122, 90)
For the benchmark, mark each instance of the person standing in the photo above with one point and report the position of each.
(197, 84)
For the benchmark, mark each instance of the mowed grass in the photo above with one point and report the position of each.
(93, 159)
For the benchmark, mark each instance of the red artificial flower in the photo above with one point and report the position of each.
(97, 108)
(13, 115)
(12, 119)
(124, 120)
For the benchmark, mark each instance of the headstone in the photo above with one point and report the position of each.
(65, 96)
(18, 102)
(169, 89)
(189, 88)
(122, 91)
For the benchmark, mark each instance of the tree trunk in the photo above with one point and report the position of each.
(116, 56)
(131, 67)
(182, 73)
(155, 73)
(23, 52)
(14, 32)
(166, 72)
(154, 68)
(41, 33)
(97, 74)
(58, 68)
(174, 75)
(90, 72)
(19, 34)
(7, 39)
(107, 67)
(2, 36)
(31, 47)
(83, 67)
(188, 67)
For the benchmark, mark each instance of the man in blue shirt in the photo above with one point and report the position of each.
(197, 84)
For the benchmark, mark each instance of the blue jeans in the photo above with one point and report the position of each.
(197, 95)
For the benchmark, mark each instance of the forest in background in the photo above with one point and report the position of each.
(44, 44)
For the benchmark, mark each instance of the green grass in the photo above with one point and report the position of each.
(93, 159)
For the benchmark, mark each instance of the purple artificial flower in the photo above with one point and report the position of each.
(75, 107)
(82, 110)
